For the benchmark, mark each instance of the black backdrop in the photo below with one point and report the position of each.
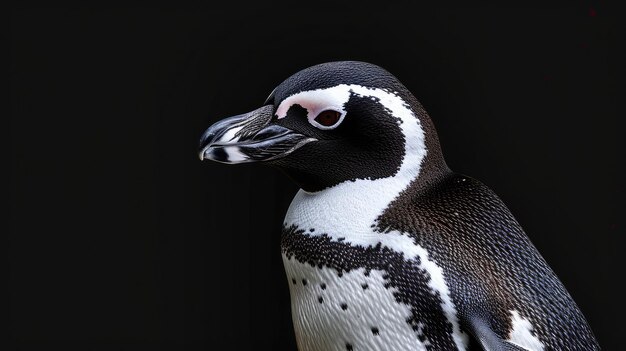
(120, 238)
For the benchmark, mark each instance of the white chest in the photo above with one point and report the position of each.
(352, 312)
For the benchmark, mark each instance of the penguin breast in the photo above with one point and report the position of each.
(354, 310)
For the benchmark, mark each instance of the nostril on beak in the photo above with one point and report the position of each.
(270, 132)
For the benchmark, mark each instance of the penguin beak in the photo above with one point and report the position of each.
(249, 137)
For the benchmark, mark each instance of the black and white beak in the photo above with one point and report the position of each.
(249, 137)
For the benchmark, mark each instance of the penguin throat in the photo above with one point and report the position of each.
(350, 210)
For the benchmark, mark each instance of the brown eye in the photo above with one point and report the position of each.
(328, 118)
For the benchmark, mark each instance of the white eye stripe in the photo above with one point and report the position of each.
(335, 98)
(316, 101)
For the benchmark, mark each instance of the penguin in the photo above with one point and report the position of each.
(384, 247)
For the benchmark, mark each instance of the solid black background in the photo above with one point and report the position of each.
(120, 238)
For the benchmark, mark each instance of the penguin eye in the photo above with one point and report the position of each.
(328, 118)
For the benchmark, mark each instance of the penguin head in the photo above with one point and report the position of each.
(332, 123)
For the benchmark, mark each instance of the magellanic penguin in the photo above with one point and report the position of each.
(384, 247)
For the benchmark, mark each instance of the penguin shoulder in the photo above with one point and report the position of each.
(448, 204)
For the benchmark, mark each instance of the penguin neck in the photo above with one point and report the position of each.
(361, 199)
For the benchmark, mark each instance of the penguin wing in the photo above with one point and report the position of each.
(487, 338)
(494, 273)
